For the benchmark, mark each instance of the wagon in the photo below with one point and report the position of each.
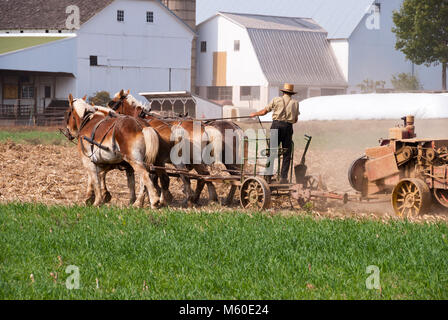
(413, 172)
(257, 187)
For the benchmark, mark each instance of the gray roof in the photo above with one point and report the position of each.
(339, 17)
(51, 14)
(45, 14)
(294, 50)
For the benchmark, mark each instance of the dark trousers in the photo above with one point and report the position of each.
(285, 133)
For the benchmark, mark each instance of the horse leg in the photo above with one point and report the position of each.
(145, 181)
(165, 197)
(90, 191)
(95, 182)
(212, 195)
(155, 182)
(199, 187)
(131, 184)
(105, 193)
(165, 183)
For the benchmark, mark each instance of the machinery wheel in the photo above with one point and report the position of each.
(255, 194)
(441, 196)
(356, 173)
(411, 197)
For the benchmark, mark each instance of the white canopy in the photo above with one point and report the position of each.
(373, 106)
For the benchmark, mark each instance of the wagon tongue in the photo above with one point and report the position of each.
(300, 169)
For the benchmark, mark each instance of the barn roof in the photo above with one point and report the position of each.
(45, 14)
(340, 18)
(295, 50)
(51, 14)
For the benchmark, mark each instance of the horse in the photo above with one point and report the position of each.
(233, 164)
(105, 141)
(124, 103)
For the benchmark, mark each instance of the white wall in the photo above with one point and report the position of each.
(341, 51)
(372, 54)
(206, 109)
(243, 68)
(134, 54)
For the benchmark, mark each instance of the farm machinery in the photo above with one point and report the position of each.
(414, 172)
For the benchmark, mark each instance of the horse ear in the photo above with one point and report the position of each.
(121, 93)
(92, 104)
(129, 90)
(70, 98)
(84, 98)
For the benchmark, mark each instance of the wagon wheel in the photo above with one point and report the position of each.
(411, 197)
(255, 194)
(356, 173)
(441, 196)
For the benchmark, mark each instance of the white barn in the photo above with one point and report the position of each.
(359, 32)
(246, 58)
(132, 44)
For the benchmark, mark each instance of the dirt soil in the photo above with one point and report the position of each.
(54, 175)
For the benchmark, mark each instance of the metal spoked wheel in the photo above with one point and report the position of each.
(411, 197)
(441, 196)
(255, 194)
(356, 173)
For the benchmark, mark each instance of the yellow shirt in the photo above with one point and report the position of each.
(284, 109)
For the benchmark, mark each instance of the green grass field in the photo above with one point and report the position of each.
(30, 135)
(140, 254)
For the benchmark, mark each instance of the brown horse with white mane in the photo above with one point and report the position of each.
(126, 104)
(108, 141)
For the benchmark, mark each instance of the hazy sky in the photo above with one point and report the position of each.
(207, 8)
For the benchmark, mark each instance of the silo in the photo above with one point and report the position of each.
(186, 10)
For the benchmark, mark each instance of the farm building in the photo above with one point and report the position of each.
(137, 44)
(183, 102)
(359, 32)
(246, 58)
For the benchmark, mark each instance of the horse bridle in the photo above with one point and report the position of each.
(114, 105)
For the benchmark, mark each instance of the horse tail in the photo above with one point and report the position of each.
(216, 139)
(152, 145)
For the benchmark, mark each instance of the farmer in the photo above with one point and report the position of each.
(285, 114)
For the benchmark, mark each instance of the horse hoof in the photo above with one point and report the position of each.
(107, 197)
(90, 201)
(132, 201)
(169, 197)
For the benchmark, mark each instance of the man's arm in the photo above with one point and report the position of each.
(265, 111)
(259, 113)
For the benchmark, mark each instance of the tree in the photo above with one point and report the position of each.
(370, 86)
(421, 29)
(405, 82)
(101, 98)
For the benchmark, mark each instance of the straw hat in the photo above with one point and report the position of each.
(288, 88)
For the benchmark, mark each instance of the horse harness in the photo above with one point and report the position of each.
(92, 141)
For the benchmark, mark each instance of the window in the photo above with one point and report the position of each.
(93, 60)
(249, 93)
(203, 46)
(219, 93)
(236, 45)
(47, 92)
(120, 15)
(149, 16)
(27, 92)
